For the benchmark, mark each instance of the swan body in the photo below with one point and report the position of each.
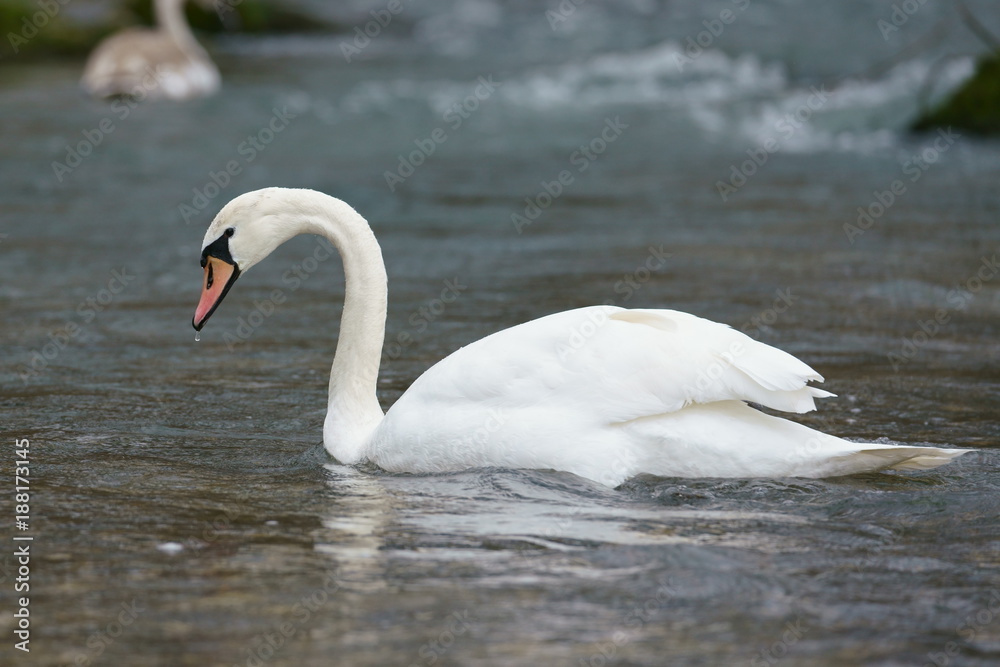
(602, 392)
(163, 63)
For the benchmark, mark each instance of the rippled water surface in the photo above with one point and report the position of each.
(187, 481)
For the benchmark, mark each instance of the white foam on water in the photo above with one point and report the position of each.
(170, 547)
(738, 99)
(855, 115)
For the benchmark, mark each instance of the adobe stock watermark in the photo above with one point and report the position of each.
(473, 440)
(215, 528)
(785, 128)
(900, 15)
(606, 652)
(455, 625)
(363, 35)
(695, 45)
(710, 375)
(563, 11)
(914, 167)
(779, 649)
(93, 137)
(814, 447)
(264, 646)
(98, 642)
(627, 287)
(246, 152)
(631, 283)
(455, 115)
(581, 158)
(87, 310)
(783, 300)
(31, 26)
(958, 298)
(422, 318)
(972, 625)
(292, 279)
(223, 7)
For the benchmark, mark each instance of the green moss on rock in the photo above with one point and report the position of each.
(975, 107)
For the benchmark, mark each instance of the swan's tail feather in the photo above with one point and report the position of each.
(896, 457)
(732, 439)
(916, 458)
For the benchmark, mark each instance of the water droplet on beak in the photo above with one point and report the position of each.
(197, 336)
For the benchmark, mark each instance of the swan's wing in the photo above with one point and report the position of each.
(608, 393)
(623, 365)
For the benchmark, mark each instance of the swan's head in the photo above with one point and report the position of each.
(244, 232)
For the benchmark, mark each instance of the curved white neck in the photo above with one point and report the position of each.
(353, 411)
(170, 17)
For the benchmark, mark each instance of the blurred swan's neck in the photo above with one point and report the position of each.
(170, 17)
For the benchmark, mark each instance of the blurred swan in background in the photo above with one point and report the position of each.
(602, 392)
(165, 62)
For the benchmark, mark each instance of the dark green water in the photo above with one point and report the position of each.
(187, 482)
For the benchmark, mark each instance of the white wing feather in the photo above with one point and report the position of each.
(609, 393)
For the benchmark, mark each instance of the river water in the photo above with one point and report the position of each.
(183, 510)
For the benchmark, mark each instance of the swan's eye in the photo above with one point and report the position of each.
(230, 231)
(209, 280)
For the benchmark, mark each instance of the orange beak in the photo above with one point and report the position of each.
(219, 277)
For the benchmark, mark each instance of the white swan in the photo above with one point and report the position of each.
(603, 392)
(162, 63)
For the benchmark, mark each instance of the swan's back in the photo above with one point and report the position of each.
(609, 393)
